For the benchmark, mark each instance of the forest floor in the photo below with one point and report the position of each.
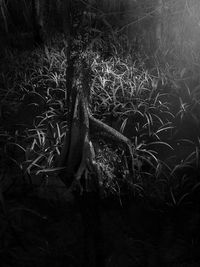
(156, 222)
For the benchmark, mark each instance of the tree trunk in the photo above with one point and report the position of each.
(67, 17)
(37, 21)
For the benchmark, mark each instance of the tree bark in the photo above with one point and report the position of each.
(3, 13)
(37, 21)
(67, 18)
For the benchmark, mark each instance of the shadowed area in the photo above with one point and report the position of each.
(99, 133)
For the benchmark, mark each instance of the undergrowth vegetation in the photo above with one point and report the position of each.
(154, 109)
